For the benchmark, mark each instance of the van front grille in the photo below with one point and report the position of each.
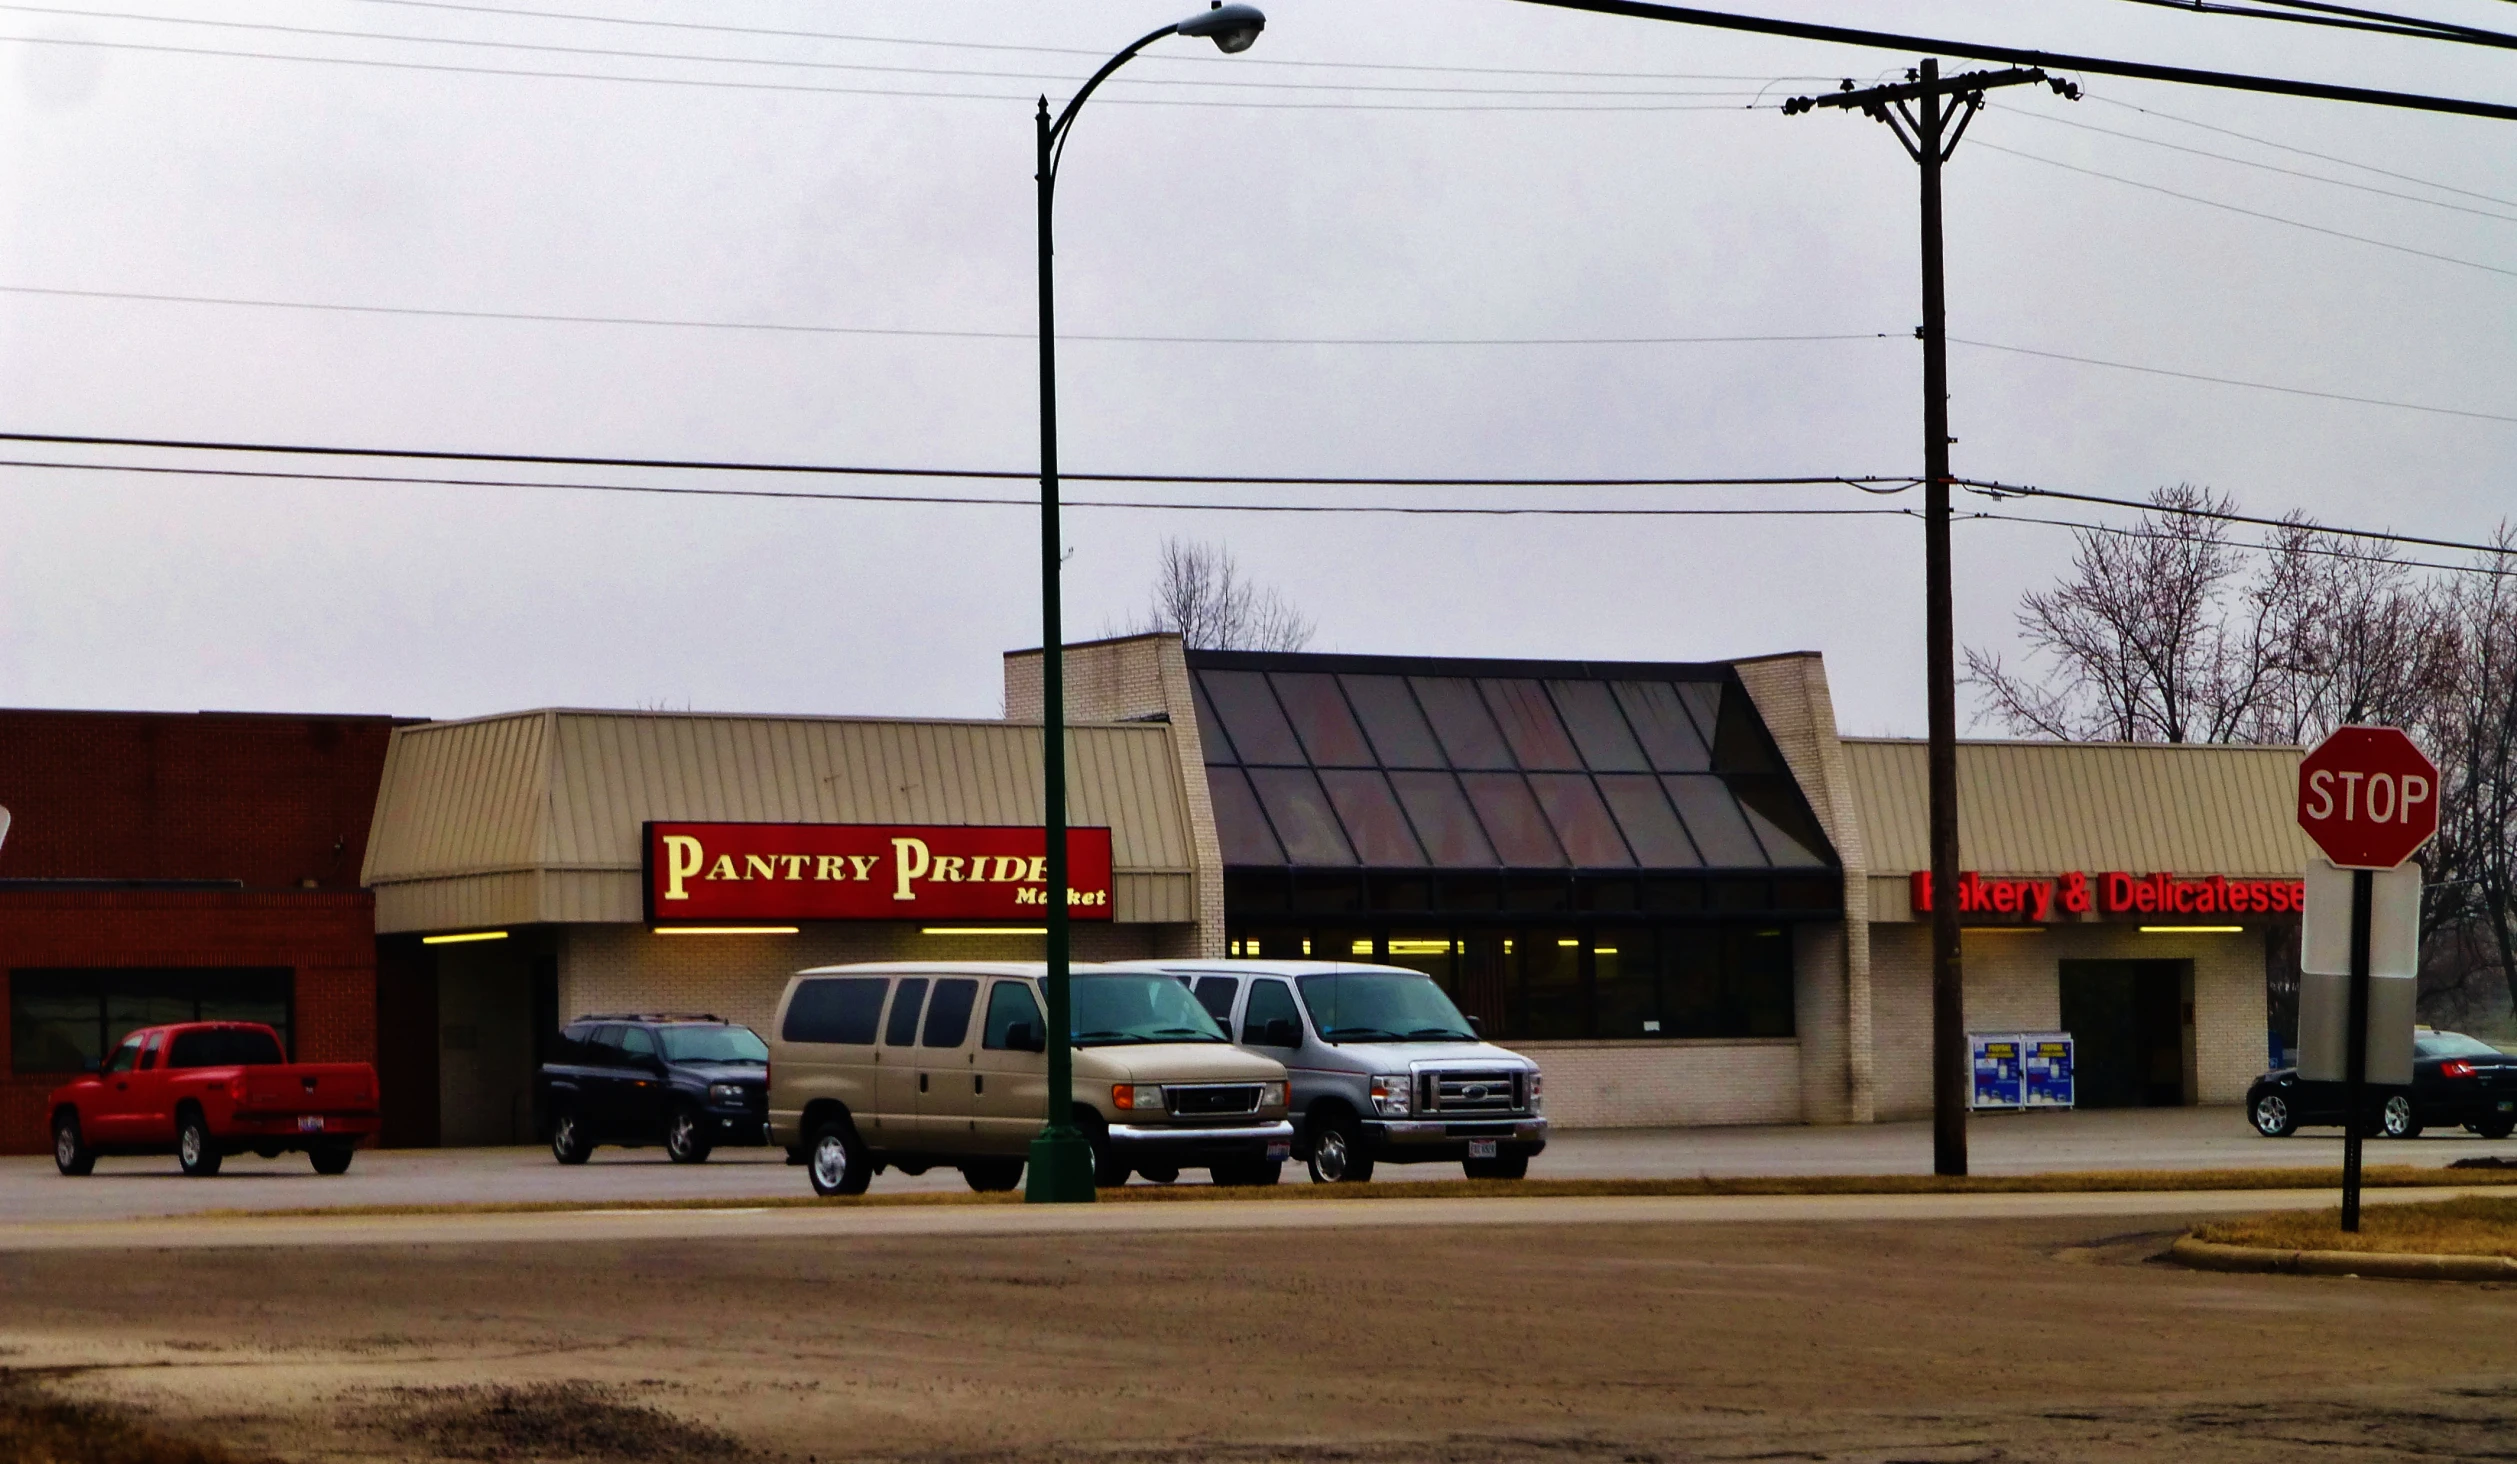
(1471, 1092)
(1213, 1098)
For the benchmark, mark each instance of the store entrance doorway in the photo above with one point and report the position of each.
(2131, 1023)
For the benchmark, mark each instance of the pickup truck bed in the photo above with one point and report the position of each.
(204, 1090)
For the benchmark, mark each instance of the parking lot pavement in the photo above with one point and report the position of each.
(2156, 1138)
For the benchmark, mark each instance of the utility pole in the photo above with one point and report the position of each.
(1916, 113)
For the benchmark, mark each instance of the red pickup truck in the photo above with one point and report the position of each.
(205, 1090)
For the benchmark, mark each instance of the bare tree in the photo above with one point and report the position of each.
(2141, 648)
(2471, 899)
(1199, 592)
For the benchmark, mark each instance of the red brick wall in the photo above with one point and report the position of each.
(327, 938)
(269, 800)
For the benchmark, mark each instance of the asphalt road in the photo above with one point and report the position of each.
(2158, 1138)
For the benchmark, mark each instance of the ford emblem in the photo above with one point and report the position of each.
(1474, 1092)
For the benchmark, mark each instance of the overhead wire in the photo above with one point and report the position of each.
(2324, 157)
(1997, 490)
(2300, 391)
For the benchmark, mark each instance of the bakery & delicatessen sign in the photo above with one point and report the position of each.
(779, 871)
(2041, 898)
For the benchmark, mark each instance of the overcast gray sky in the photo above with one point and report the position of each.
(1282, 193)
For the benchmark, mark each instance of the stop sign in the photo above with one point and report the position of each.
(2368, 797)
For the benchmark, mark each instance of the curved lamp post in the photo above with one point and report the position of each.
(1061, 1158)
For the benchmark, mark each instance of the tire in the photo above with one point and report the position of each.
(1248, 1173)
(70, 1153)
(2496, 1128)
(992, 1176)
(837, 1163)
(1109, 1171)
(683, 1141)
(268, 1151)
(2272, 1116)
(569, 1144)
(2396, 1120)
(1502, 1166)
(1160, 1173)
(1337, 1152)
(331, 1158)
(195, 1150)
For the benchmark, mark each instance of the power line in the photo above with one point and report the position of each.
(2018, 490)
(722, 84)
(2322, 552)
(687, 323)
(2344, 17)
(824, 495)
(1175, 57)
(2301, 151)
(2198, 152)
(2248, 212)
(614, 53)
(2331, 396)
(2048, 60)
(293, 449)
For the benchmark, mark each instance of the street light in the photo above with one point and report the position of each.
(1061, 1158)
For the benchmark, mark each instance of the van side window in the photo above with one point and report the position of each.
(1010, 1002)
(948, 1013)
(1270, 1001)
(1215, 993)
(845, 1009)
(902, 1029)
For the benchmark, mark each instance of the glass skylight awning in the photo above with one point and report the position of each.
(1400, 763)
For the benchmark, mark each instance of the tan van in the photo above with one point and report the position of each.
(924, 1065)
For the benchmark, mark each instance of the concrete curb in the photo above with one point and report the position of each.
(2386, 1265)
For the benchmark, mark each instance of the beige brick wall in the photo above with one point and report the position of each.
(1131, 679)
(617, 968)
(1669, 1084)
(2014, 982)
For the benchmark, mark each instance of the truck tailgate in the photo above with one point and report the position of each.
(310, 1087)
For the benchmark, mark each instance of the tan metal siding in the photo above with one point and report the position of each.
(2042, 808)
(564, 794)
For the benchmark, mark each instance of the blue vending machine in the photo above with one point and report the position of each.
(1998, 1078)
(2045, 1069)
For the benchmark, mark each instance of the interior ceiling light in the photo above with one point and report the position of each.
(463, 939)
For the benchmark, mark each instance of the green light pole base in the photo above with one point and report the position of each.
(1061, 1168)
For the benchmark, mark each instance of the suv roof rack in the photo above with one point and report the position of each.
(647, 1017)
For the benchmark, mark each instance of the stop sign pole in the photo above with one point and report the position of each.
(2369, 798)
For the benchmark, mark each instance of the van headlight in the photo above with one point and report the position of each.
(1274, 1095)
(1537, 1099)
(1136, 1097)
(1390, 1095)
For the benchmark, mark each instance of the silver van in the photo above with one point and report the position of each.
(1384, 1067)
(928, 1065)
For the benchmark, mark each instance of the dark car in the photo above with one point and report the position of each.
(2456, 1080)
(690, 1083)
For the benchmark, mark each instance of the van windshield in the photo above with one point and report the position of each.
(1379, 1006)
(1129, 1008)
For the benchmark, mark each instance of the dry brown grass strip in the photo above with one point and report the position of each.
(38, 1429)
(2106, 1181)
(2469, 1225)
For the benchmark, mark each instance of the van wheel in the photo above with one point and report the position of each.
(1109, 1171)
(992, 1176)
(194, 1148)
(569, 1143)
(70, 1153)
(1337, 1152)
(838, 1165)
(682, 1140)
(1502, 1166)
(331, 1158)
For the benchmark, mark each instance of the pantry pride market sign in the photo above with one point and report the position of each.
(772, 871)
(2042, 898)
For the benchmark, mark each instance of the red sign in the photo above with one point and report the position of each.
(766, 871)
(2114, 892)
(2368, 797)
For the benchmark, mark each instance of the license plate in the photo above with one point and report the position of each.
(1280, 1151)
(311, 1123)
(1481, 1148)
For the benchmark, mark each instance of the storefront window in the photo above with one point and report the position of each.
(1550, 968)
(62, 1020)
(1625, 997)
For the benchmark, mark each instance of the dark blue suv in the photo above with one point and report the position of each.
(690, 1083)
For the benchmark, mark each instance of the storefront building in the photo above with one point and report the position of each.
(163, 868)
(1673, 883)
